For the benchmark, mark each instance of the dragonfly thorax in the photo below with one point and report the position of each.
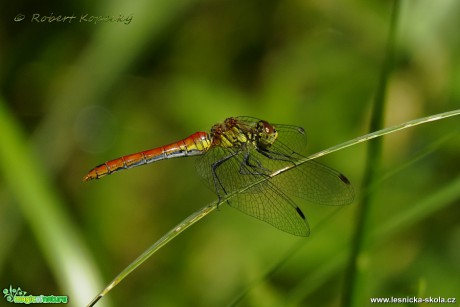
(235, 133)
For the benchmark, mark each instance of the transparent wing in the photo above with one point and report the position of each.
(226, 170)
(273, 207)
(264, 201)
(316, 183)
(312, 180)
(291, 140)
(223, 170)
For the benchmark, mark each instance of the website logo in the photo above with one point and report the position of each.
(20, 296)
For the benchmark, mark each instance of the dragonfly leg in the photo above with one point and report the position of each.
(217, 183)
(279, 156)
(257, 166)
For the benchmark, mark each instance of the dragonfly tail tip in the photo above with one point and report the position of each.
(87, 178)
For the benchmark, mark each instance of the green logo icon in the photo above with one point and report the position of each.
(19, 296)
(10, 294)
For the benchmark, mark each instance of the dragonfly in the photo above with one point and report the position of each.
(240, 156)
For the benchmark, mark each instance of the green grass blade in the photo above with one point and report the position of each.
(189, 221)
(414, 214)
(42, 208)
(351, 282)
(399, 223)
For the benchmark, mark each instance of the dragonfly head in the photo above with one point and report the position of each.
(266, 134)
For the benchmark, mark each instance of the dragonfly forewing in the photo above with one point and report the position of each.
(269, 204)
(316, 183)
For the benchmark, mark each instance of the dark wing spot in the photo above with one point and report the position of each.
(344, 179)
(300, 212)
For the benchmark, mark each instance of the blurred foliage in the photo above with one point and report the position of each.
(81, 93)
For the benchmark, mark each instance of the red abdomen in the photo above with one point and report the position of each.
(196, 144)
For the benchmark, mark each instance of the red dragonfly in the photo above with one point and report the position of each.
(237, 154)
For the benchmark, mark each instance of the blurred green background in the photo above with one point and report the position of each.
(73, 95)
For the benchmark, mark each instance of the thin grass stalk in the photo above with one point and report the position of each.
(43, 210)
(373, 158)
